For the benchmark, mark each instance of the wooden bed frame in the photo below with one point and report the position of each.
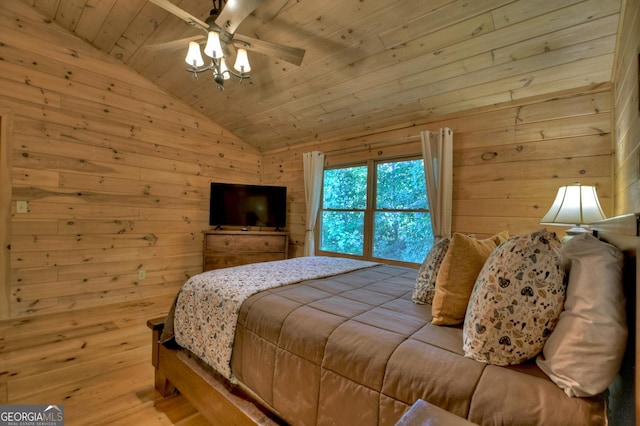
(222, 404)
(210, 395)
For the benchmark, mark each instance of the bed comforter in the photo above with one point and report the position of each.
(206, 310)
(353, 349)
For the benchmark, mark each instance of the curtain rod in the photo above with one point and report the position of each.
(369, 146)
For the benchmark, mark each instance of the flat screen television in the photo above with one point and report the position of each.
(247, 205)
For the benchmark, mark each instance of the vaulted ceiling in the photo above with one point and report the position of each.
(369, 64)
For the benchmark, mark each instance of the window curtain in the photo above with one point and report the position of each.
(437, 154)
(313, 165)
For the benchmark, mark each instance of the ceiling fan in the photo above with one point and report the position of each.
(220, 29)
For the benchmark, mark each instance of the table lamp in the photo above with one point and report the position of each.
(575, 205)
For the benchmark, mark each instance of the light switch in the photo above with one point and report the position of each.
(22, 207)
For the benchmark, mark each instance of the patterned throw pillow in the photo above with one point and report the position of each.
(426, 281)
(516, 301)
(457, 275)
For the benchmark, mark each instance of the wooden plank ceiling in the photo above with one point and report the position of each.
(369, 64)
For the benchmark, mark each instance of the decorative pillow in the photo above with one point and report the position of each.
(426, 281)
(516, 300)
(458, 273)
(585, 351)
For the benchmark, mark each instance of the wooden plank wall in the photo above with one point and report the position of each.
(509, 160)
(627, 108)
(114, 171)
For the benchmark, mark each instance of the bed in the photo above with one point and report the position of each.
(351, 347)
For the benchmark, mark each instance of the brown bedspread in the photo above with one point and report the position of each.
(353, 349)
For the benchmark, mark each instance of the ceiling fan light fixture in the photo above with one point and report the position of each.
(220, 26)
(194, 57)
(213, 48)
(242, 61)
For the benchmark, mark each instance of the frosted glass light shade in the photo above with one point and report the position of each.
(242, 61)
(213, 48)
(194, 57)
(574, 205)
(224, 70)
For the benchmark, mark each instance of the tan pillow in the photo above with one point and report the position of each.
(457, 275)
(584, 353)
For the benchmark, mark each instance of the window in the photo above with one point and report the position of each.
(377, 210)
(344, 201)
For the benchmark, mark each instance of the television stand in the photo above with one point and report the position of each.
(222, 249)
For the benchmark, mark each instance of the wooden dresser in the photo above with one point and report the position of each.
(231, 248)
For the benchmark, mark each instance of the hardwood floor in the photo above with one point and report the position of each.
(96, 362)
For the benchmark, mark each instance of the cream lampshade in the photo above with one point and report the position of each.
(242, 61)
(194, 57)
(224, 70)
(213, 48)
(576, 205)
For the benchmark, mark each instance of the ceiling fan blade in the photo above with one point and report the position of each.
(175, 44)
(293, 55)
(185, 16)
(234, 13)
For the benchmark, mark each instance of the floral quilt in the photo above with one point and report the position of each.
(207, 306)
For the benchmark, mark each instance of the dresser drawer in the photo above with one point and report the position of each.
(245, 243)
(222, 249)
(213, 261)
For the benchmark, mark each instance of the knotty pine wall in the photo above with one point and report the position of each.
(115, 173)
(627, 108)
(509, 160)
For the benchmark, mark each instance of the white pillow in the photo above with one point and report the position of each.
(584, 352)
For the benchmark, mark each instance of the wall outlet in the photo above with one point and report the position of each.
(22, 206)
(142, 274)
